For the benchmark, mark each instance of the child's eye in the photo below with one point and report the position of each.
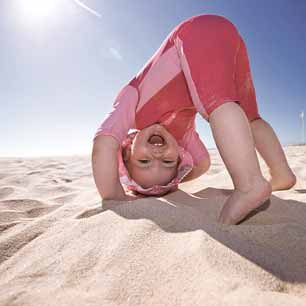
(144, 161)
(168, 161)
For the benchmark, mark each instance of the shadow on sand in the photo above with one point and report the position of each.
(268, 232)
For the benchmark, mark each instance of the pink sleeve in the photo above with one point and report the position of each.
(193, 144)
(122, 118)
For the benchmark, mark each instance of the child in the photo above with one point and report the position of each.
(202, 66)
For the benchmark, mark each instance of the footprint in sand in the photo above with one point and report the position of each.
(6, 191)
(18, 209)
(63, 199)
(52, 190)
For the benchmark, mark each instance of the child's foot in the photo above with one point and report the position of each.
(282, 182)
(240, 203)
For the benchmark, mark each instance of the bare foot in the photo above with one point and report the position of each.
(240, 203)
(282, 182)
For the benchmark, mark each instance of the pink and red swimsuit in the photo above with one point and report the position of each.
(202, 64)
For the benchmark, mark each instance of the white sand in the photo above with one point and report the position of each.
(58, 246)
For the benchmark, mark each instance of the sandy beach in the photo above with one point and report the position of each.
(60, 245)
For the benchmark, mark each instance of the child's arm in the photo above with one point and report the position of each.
(198, 170)
(105, 168)
(110, 134)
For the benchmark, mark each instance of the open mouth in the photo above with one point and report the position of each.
(156, 140)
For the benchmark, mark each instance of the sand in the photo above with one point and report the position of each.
(60, 246)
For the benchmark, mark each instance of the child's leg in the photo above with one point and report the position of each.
(233, 137)
(215, 63)
(270, 149)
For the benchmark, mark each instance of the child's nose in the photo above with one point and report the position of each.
(158, 153)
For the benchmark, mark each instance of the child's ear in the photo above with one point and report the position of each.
(126, 153)
(179, 160)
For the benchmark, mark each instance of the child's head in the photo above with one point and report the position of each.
(154, 160)
(153, 157)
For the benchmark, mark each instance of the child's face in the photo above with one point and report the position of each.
(153, 157)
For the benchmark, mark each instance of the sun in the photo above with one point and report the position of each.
(37, 11)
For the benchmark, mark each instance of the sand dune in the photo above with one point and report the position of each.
(60, 246)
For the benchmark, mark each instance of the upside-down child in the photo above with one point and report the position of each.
(201, 67)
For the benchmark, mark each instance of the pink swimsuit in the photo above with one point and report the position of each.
(202, 64)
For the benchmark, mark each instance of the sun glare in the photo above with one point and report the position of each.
(37, 11)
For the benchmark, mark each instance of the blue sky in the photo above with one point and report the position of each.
(62, 64)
